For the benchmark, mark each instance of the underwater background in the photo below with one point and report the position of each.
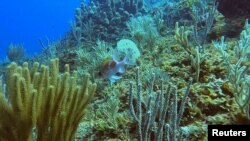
(123, 70)
(27, 22)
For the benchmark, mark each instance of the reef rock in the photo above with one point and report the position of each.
(234, 8)
(235, 13)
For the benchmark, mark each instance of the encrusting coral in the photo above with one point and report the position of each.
(40, 104)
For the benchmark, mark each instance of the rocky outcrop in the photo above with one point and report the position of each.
(234, 8)
(235, 13)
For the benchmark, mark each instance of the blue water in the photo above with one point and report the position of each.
(26, 21)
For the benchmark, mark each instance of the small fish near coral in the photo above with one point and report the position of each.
(112, 68)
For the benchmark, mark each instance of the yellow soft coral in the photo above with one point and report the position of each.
(43, 100)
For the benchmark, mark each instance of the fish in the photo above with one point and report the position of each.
(112, 69)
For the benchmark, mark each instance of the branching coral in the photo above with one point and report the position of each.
(237, 72)
(43, 100)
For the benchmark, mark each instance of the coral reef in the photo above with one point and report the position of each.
(104, 19)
